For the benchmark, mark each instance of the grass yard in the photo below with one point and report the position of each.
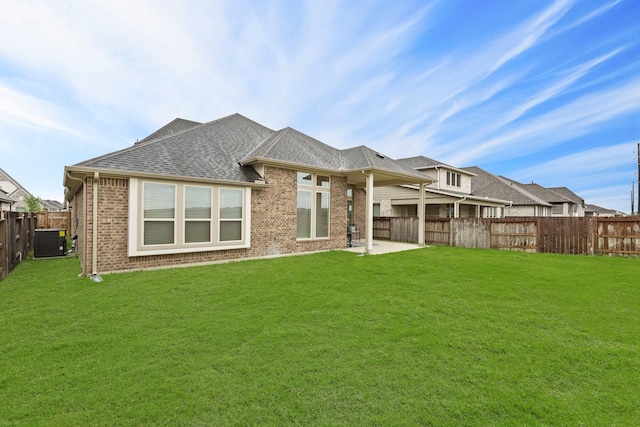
(437, 336)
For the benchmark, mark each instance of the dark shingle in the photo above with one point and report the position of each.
(174, 126)
(211, 150)
(216, 150)
(486, 184)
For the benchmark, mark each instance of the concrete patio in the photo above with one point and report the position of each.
(381, 247)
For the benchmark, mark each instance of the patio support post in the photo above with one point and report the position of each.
(369, 231)
(421, 216)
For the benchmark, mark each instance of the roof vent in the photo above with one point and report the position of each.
(380, 155)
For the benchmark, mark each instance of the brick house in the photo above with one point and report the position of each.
(228, 189)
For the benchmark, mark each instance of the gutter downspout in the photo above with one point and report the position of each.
(94, 241)
(456, 209)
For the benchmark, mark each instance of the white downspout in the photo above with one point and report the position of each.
(421, 215)
(94, 241)
(456, 207)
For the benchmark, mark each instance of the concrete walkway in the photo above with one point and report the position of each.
(381, 247)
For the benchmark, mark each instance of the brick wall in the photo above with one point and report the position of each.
(273, 225)
(360, 208)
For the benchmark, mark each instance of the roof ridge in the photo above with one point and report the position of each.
(145, 139)
(143, 143)
(514, 185)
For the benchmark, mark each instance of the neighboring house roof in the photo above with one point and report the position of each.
(422, 163)
(4, 197)
(174, 126)
(599, 210)
(52, 205)
(568, 194)
(544, 193)
(14, 188)
(489, 185)
(224, 149)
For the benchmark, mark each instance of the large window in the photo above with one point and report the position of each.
(178, 217)
(313, 206)
(197, 214)
(230, 215)
(490, 212)
(159, 214)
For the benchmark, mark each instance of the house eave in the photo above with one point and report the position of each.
(74, 176)
(356, 176)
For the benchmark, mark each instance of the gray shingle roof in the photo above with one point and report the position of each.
(174, 126)
(568, 194)
(4, 197)
(542, 192)
(598, 209)
(291, 146)
(422, 162)
(211, 150)
(224, 149)
(364, 157)
(486, 184)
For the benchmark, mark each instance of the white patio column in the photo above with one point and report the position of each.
(369, 231)
(421, 216)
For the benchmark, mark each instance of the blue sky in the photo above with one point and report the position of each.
(542, 91)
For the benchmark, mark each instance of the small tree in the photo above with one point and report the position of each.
(33, 204)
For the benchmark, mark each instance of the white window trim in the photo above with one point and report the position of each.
(135, 248)
(313, 188)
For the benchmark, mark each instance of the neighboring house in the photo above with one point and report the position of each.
(14, 190)
(449, 195)
(6, 202)
(575, 206)
(18, 194)
(594, 210)
(52, 205)
(564, 202)
(227, 189)
(521, 202)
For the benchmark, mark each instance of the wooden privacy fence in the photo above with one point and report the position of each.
(61, 220)
(17, 232)
(587, 235)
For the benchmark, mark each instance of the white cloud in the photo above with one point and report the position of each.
(585, 163)
(24, 110)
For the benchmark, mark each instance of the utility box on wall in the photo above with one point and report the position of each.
(49, 242)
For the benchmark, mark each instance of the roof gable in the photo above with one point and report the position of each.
(568, 194)
(291, 146)
(13, 188)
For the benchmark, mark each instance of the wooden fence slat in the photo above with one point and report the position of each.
(561, 235)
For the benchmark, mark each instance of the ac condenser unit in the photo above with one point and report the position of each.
(49, 242)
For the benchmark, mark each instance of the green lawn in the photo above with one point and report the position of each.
(437, 336)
